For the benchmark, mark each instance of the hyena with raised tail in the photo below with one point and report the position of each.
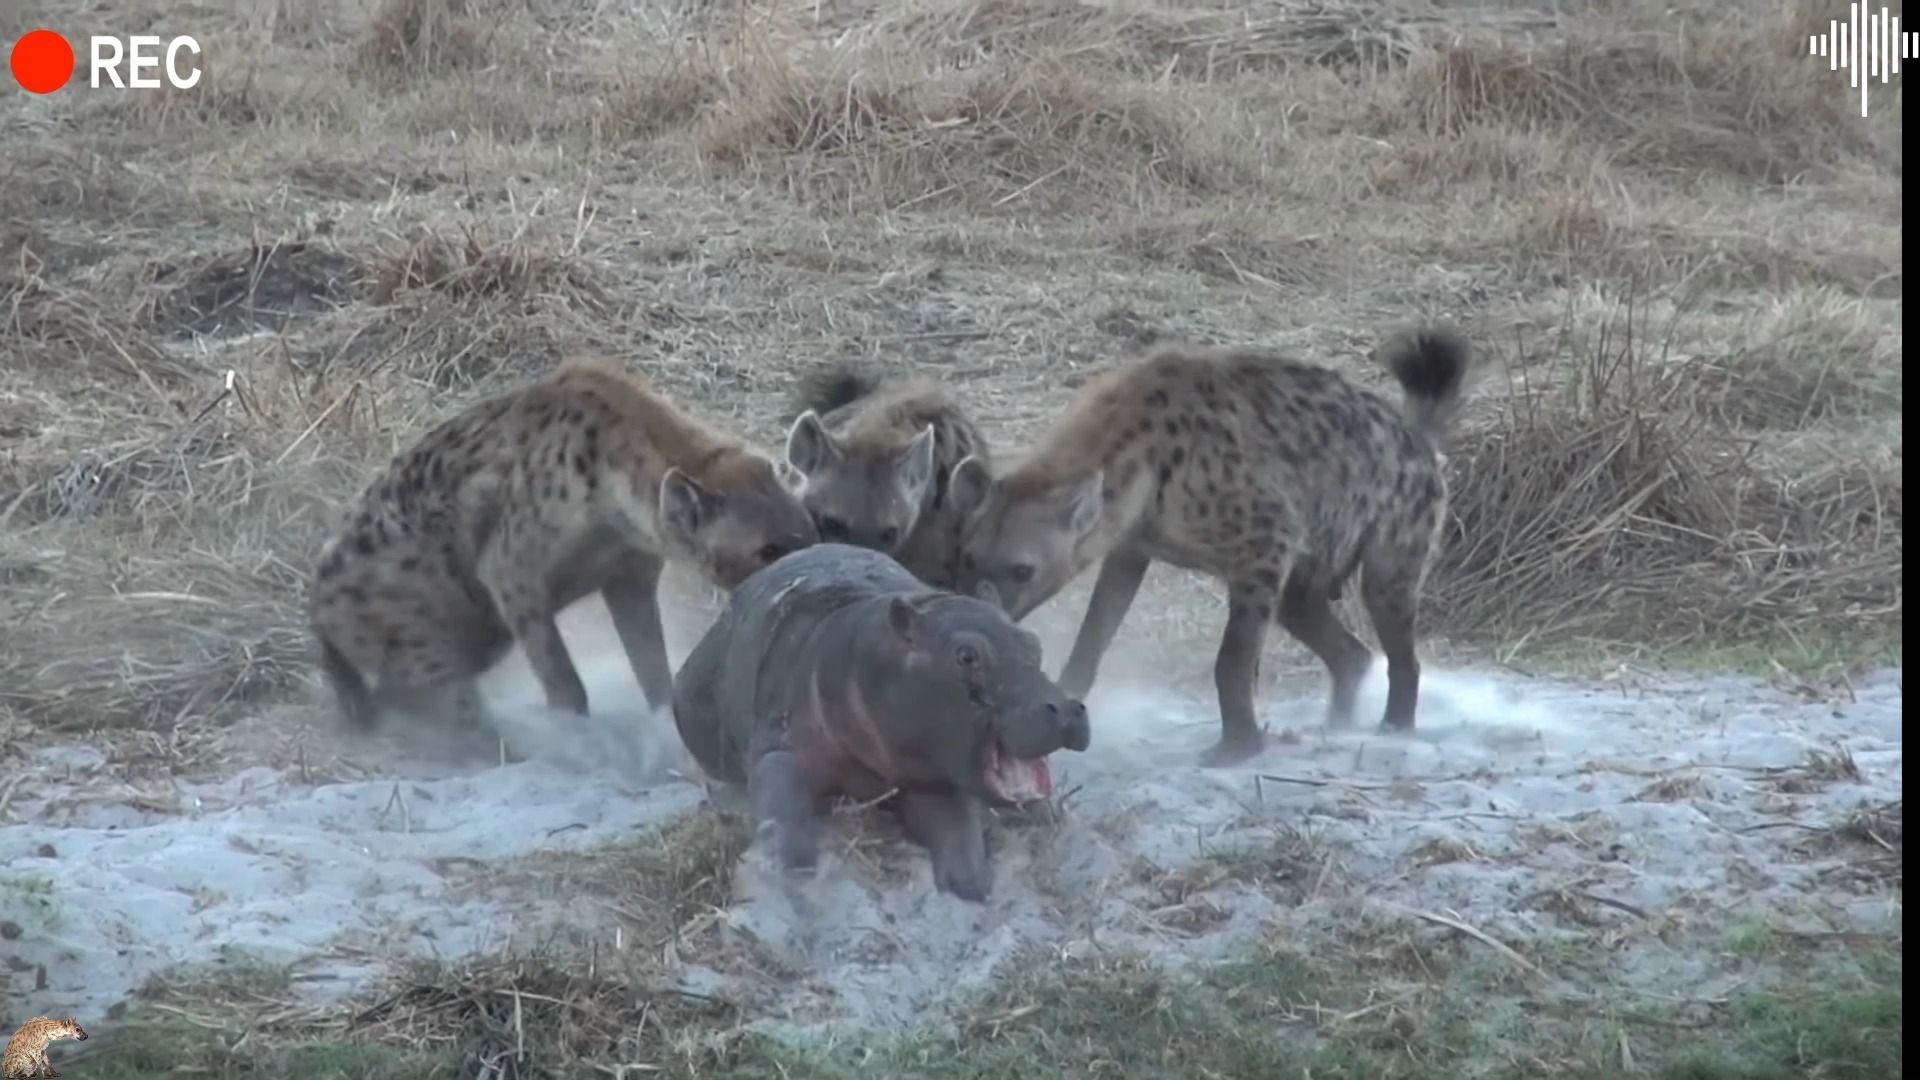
(1278, 477)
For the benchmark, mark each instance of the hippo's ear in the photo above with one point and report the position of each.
(1080, 505)
(685, 506)
(986, 590)
(905, 620)
(916, 465)
(809, 447)
(969, 485)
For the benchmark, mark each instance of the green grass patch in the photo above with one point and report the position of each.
(1330, 1013)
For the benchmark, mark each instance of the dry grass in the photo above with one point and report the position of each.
(1668, 230)
(1603, 501)
(376, 211)
(1687, 99)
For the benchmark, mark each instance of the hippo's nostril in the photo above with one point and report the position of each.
(1052, 710)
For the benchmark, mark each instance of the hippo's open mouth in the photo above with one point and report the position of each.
(1017, 780)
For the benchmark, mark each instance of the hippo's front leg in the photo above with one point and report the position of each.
(953, 828)
(781, 798)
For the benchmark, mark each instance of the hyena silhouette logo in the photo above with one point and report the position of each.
(26, 1053)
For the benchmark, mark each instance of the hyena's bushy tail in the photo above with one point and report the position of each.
(833, 386)
(1432, 364)
(350, 692)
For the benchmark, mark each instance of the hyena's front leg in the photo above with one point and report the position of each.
(1113, 591)
(633, 599)
(1249, 609)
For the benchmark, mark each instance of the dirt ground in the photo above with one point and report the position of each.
(1651, 825)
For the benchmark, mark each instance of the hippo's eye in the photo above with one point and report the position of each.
(771, 553)
(832, 528)
(889, 535)
(1021, 574)
(966, 656)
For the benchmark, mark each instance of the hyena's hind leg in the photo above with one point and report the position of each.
(352, 699)
(1391, 578)
(453, 713)
(434, 678)
(1306, 612)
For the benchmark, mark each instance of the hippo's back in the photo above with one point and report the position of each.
(831, 568)
(716, 688)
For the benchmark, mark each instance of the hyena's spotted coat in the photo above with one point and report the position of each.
(26, 1052)
(585, 480)
(878, 455)
(1279, 477)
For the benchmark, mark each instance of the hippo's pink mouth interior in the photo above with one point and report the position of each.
(1017, 780)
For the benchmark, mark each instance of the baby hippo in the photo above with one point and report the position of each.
(835, 672)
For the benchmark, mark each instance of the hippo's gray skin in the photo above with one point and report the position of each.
(835, 672)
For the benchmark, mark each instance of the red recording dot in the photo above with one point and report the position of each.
(42, 61)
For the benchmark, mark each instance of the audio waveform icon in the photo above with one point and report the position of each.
(1866, 45)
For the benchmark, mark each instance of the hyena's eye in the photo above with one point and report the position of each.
(832, 528)
(889, 536)
(1022, 573)
(771, 553)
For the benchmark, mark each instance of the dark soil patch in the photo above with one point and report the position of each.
(262, 288)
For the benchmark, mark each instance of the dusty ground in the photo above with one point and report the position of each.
(1651, 825)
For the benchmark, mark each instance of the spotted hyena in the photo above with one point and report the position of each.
(585, 480)
(1279, 477)
(878, 455)
(26, 1052)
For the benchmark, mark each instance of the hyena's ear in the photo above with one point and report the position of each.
(1080, 505)
(969, 485)
(916, 465)
(809, 447)
(685, 507)
(790, 478)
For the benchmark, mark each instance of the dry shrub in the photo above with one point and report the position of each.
(411, 39)
(1596, 502)
(68, 337)
(1492, 156)
(158, 643)
(682, 871)
(1190, 45)
(1815, 357)
(771, 98)
(1225, 247)
(1679, 97)
(473, 268)
(447, 343)
(854, 124)
(658, 89)
(552, 1009)
(169, 591)
(456, 313)
(1565, 221)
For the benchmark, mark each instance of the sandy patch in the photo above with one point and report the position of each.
(1526, 808)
